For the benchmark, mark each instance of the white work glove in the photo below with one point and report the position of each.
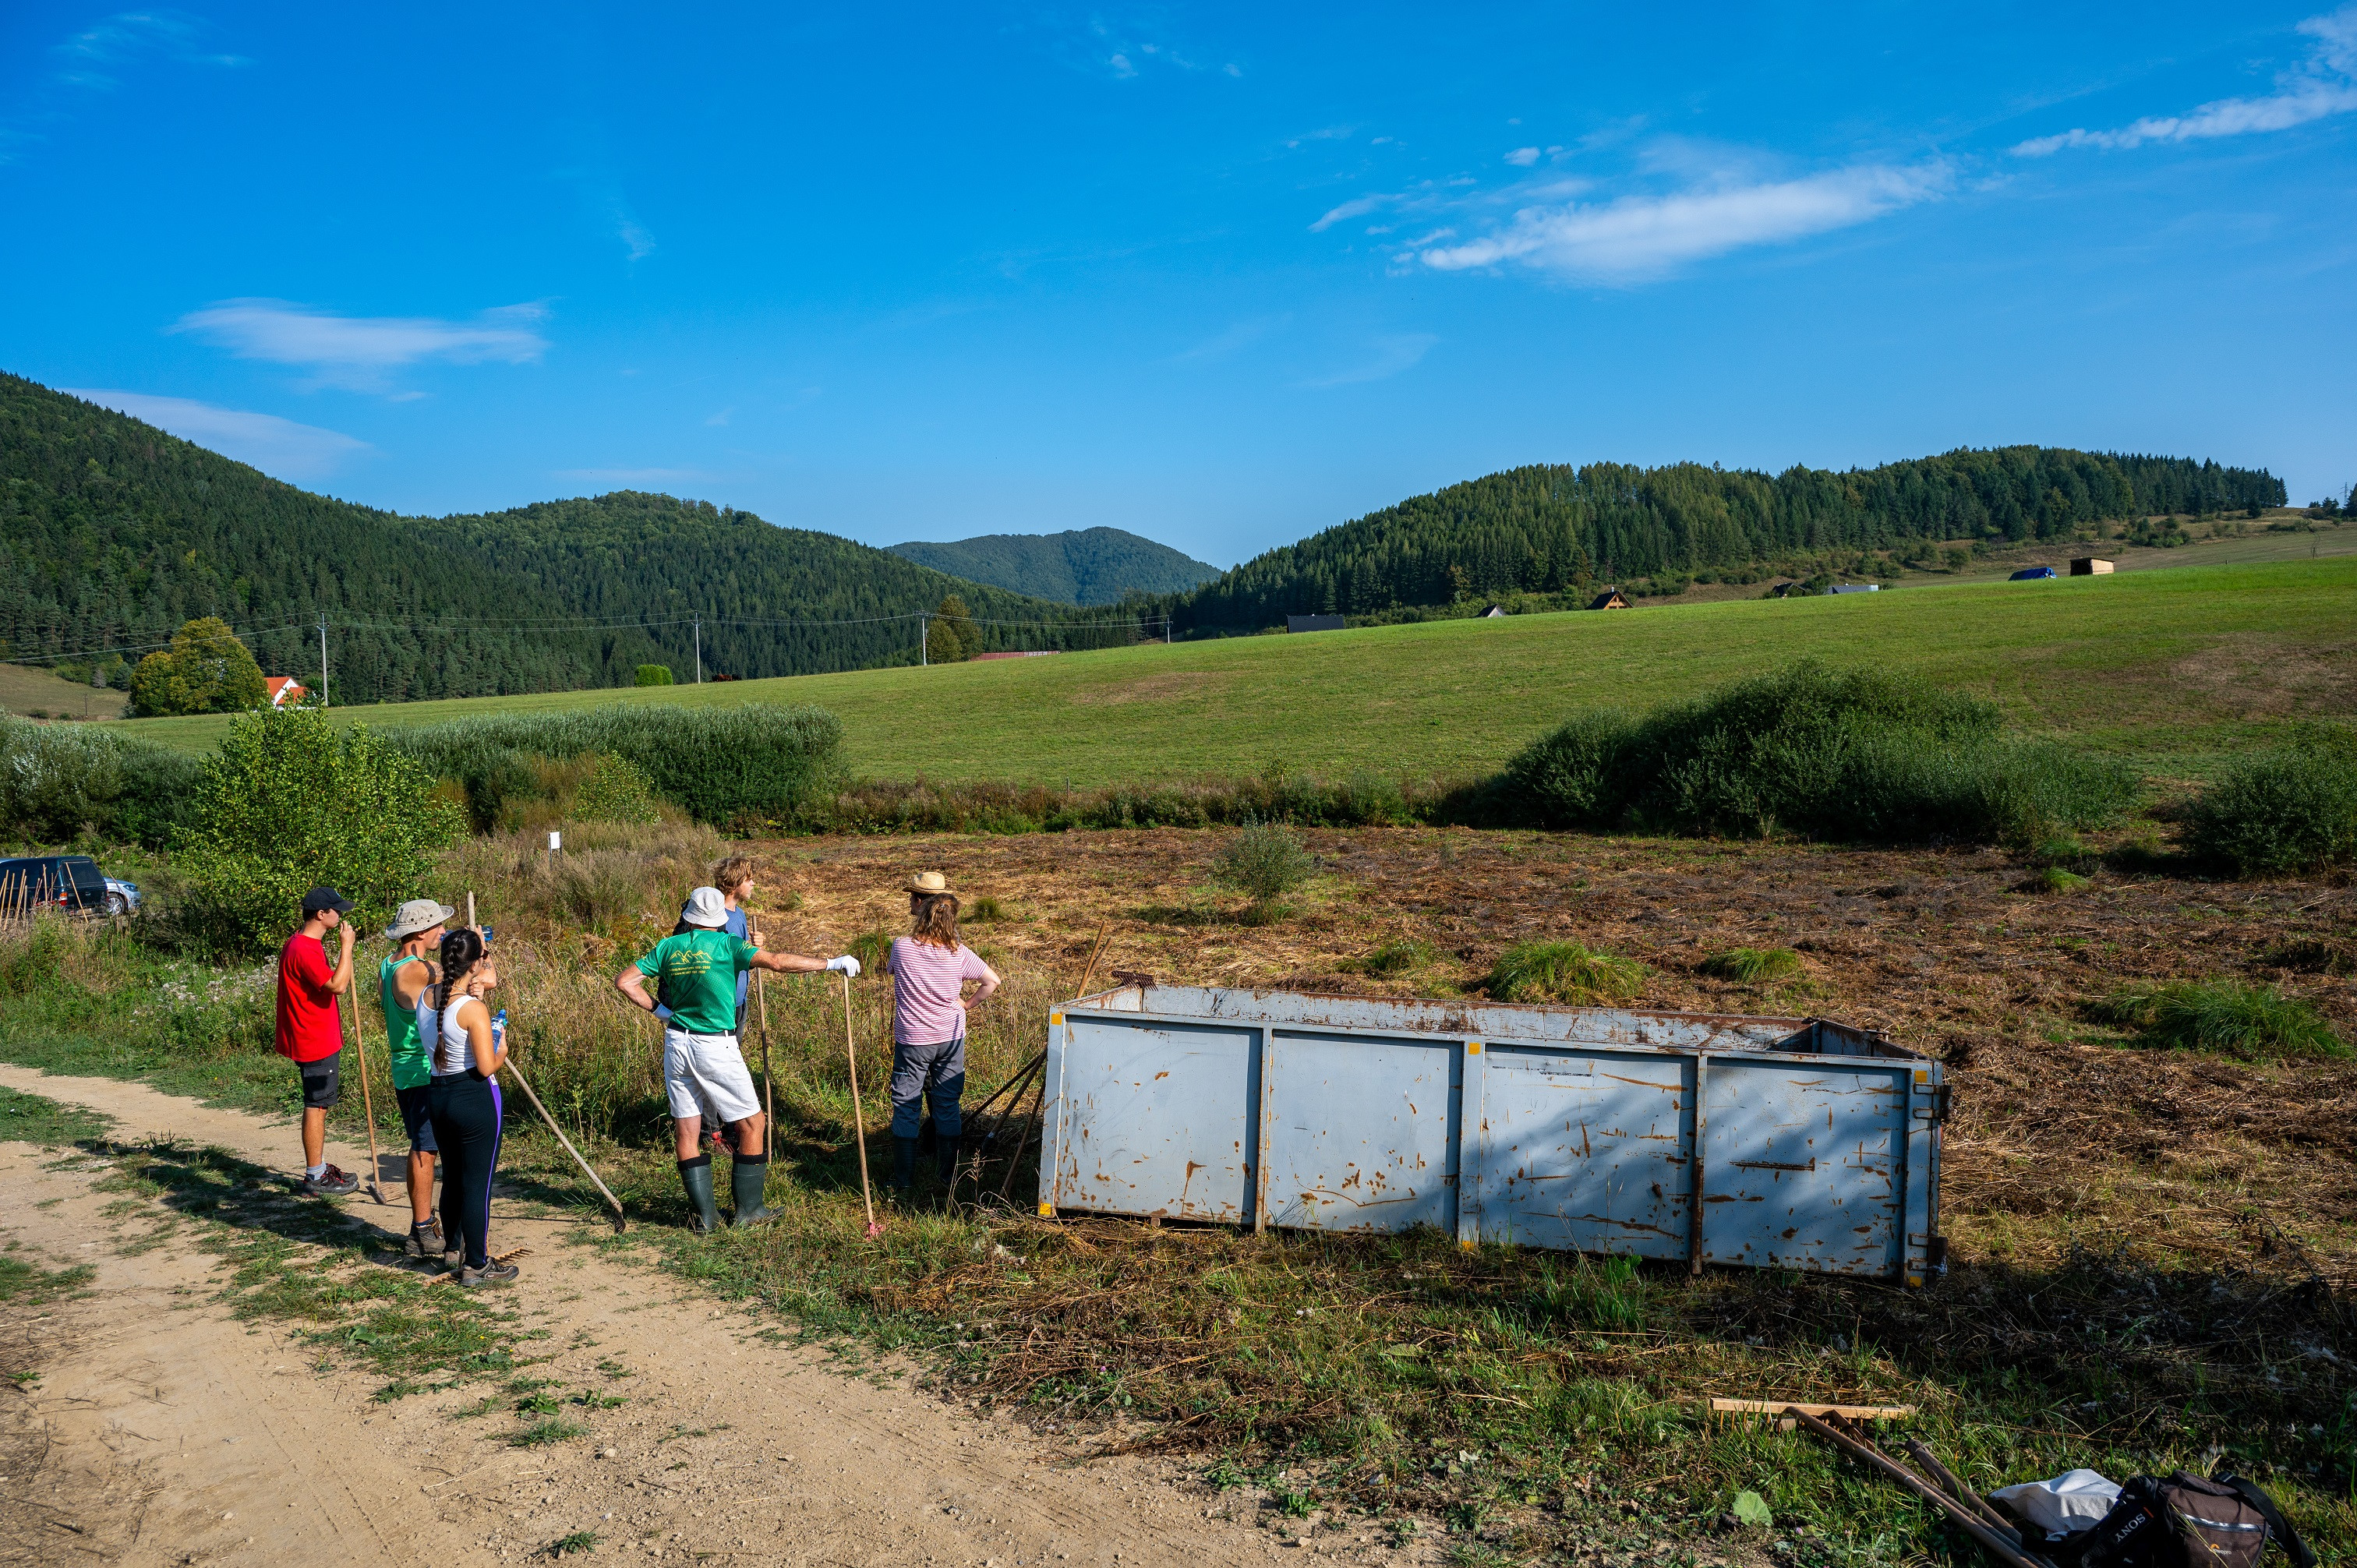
(846, 963)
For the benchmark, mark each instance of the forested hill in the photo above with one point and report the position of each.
(1083, 567)
(113, 532)
(1553, 527)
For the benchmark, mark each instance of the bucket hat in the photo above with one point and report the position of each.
(417, 914)
(706, 908)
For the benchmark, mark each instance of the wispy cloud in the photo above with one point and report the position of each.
(1391, 355)
(1522, 157)
(1123, 49)
(1235, 339)
(1638, 237)
(359, 352)
(2323, 84)
(277, 446)
(96, 60)
(633, 235)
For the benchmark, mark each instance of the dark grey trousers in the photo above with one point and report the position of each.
(922, 1073)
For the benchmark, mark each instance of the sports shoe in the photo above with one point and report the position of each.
(425, 1240)
(329, 1182)
(492, 1273)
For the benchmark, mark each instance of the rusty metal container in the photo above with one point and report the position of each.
(1810, 1144)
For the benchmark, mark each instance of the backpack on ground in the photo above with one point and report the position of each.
(2183, 1521)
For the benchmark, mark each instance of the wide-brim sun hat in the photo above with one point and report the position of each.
(417, 914)
(706, 908)
(930, 884)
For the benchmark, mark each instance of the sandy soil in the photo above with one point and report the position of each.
(161, 1431)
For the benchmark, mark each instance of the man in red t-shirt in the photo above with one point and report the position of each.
(310, 1030)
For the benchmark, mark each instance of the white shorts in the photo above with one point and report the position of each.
(704, 1075)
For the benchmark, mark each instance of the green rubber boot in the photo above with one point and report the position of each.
(746, 1178)
(695, 1175)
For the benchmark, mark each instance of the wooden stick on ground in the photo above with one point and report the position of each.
(368, 1106)
(858, 1117)
(2003, 1551)
(621, 1223)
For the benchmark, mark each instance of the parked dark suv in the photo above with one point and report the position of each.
(71, 882)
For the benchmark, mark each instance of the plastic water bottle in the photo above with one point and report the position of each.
(500, 1030)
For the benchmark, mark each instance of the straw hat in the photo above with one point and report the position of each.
(929, 884)
(417, 914)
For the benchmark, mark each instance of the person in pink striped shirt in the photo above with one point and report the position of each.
(930, 969)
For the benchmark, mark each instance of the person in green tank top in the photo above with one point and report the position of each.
(403, 978)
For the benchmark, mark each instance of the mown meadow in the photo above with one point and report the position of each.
(2174, 669)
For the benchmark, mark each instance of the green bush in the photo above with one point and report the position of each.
(290, 801)
(1753, 966)
(1564, 972)
(2257, 1023)
(654, 675)
(58, 782)
(1838, 755)
(614, 791)
(720, 765)
(1265, 862)
(2286, 810)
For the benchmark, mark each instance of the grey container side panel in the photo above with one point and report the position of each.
(1361, 1132)
(1583, 1153)
(1466, 1020)
(1155, 1118)
(1805, 1166)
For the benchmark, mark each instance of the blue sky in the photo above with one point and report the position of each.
(1223, 276)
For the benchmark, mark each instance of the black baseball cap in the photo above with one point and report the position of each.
(320, 898)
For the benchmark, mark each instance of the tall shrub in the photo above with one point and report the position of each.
(2290, 809)
(1858, 755)
(58, 781)
(288, 803)
(757, 760)
(205, 671)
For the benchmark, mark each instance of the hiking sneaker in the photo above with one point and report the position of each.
(492, 1273)
(425, 1240)
(329, 1182)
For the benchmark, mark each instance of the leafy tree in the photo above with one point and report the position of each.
(289, 802)
(654, 675)
(951, 634)
(205, 671)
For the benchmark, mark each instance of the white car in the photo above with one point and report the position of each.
(122, 897)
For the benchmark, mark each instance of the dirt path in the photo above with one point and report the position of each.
(162, 1431)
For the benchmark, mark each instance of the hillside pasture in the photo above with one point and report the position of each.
(2171, 670)
(24, 689)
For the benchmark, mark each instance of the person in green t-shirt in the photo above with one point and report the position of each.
(401, 978)
(703, 1072)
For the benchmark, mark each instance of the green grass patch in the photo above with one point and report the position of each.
(2090, 660)
(2225, 1017)
(1402, 957)
(2289, 808)
(1567, 972)
(1752, 966)
(30, 1119)
(580, 1540)
(555, 1429)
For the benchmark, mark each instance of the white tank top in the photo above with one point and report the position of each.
(444, 1039)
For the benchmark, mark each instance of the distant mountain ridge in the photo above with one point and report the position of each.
(112, 533)
(1081, 566)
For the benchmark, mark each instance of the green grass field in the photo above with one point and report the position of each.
(2173, 669)
(24, 689)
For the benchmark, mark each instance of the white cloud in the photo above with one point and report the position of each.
(277, 446)
(634, 238)
(2323, 84)
(1522, 157)
(1392, 356)
(358, 352)
(1241, 336)
(1642, 236)
(1357, 207)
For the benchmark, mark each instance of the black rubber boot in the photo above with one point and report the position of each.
(950, 1162)
(746, 1178)
(695, 1175)
(904, 1163)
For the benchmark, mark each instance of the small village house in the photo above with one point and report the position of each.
(1610, 599)
(284, 691)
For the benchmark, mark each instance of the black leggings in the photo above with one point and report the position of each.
(465, 1109)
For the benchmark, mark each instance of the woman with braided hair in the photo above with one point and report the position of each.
(463, 1101)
